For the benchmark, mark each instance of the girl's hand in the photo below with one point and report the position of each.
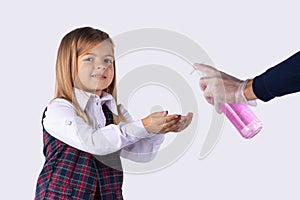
(161, 122)
(154, 122)
(176, 124)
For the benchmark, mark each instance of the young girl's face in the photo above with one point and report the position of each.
(96, 69)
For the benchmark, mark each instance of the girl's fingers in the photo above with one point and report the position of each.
(171, 123)
(177, 124)
(172, 117)
(176, 127)
(185, 121)
(173, 128)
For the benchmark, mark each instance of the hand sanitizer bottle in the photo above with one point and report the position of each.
(243, 119)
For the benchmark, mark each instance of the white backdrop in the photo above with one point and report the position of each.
(242, 38)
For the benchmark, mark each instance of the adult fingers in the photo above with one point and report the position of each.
(208, 96)
(218, 107)
(203, 83)
(207, 70)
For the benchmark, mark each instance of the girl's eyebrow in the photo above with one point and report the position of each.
(109, 55)
(93, 54)
(90, 54)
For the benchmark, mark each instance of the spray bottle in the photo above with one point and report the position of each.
(242, 118)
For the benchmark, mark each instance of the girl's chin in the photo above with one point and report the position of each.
(99, 90)
(94, 89)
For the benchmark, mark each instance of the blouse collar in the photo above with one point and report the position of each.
(83, 98)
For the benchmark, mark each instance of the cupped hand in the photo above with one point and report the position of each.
(176, 123)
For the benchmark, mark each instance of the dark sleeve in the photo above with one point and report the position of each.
(279, 80)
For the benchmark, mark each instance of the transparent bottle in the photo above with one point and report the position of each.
(243, 119)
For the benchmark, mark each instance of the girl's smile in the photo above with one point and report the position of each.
(99, 76)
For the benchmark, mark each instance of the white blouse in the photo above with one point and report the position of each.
(135, 143)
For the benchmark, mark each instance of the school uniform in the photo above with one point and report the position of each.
(83, 161)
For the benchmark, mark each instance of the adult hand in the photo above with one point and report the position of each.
(219, 87)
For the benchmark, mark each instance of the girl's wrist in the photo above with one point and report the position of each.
(146, 121)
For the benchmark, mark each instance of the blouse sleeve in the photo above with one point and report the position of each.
(143, 150)
(62, 122)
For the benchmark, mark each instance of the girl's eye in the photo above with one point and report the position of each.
(108, 61)
(89, 59)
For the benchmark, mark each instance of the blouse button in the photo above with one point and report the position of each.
(68, 122)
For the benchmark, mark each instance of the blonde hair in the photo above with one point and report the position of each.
(73, 45)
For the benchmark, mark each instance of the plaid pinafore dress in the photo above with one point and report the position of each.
(69, 173)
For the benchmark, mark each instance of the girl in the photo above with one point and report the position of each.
(84, 130)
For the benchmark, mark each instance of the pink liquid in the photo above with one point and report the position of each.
(243, 119)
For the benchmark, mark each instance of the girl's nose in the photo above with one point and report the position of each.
(101, 67)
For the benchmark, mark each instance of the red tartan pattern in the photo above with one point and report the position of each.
(69, 173)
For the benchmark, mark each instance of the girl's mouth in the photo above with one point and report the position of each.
(99, 76)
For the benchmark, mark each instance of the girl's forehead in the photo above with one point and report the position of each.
(103, 47)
